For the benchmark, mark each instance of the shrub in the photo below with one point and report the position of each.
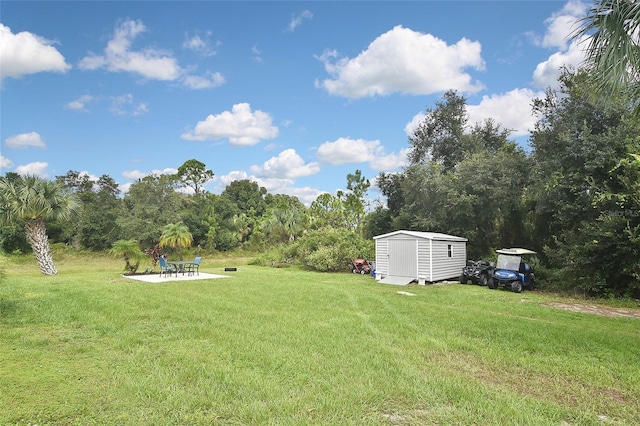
(331, 250)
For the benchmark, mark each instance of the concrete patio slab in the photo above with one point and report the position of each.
(156, 278)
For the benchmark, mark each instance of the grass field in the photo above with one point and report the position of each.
(290, 347)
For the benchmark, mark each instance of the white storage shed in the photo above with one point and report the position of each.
(406, 256)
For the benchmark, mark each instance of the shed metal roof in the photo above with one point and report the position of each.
(436, 236)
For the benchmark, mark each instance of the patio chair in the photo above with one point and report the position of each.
(166, 269)
(194, 267)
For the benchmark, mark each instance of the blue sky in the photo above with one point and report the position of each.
(294, 95)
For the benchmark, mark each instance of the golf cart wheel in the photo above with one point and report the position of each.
(516, 287)
(463, 279)
(492, 283)
(484, 280)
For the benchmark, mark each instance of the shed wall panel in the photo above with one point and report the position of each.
(424, 259)
(445, 267)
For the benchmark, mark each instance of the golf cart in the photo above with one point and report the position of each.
(476, 271)
(511, 272)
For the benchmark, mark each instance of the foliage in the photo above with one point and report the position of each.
(331, 250)
(34, 201)
(585, 188)
(154, 254)
(194, 174)
(610, 32)
(96, 227)
(248, 196)
(353, 200)
(177, 236)
(277, 256)
(150, 204)
(282, 225)
(130, 252)
(440, 137)
(13, 237)
(201, 218)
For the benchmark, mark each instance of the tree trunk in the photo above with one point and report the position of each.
(39, 241)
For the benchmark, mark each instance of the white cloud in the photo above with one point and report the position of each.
(150, 63)
(257, 54)
(562, 24)
(80, 104)
(26, 53)
(347, 150)
(24, 140)
(559, 29)
(5, 163)
(125, 105)
(306, 194)
(512, 110)
(406, 61)
(546, 73)
(137, 174)
(207, 81)
(202, 46)
(296, 21)
(225, 180)
(124, 188)
(241, 126)
(288, 164)
(37, 168)
(389, 162)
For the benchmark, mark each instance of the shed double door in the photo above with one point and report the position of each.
(403, 258)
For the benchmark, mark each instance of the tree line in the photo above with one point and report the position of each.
(573, 196)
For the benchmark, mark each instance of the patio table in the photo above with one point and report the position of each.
(180, 265)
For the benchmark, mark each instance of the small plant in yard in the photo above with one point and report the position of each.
(176, 235)
(154, 253)
(131, 252)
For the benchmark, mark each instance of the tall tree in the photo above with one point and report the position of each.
(35, 200)
(194, 174)
(248, 196)
(96, 227)
(440, 135)
(326, 211)
(151, 203)
(581, 147)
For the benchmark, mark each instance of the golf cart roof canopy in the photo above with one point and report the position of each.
(515, 251)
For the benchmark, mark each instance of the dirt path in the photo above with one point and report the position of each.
(597, 310)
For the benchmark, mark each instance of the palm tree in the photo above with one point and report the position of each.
(34, 200)
(613, 54)
(130, 251)
(176, 235)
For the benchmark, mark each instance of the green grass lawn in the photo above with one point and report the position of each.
(289, 347)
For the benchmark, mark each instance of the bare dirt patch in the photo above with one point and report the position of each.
(596, 310)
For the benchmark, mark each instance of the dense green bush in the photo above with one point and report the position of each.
(331, 250)
(277, 256)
